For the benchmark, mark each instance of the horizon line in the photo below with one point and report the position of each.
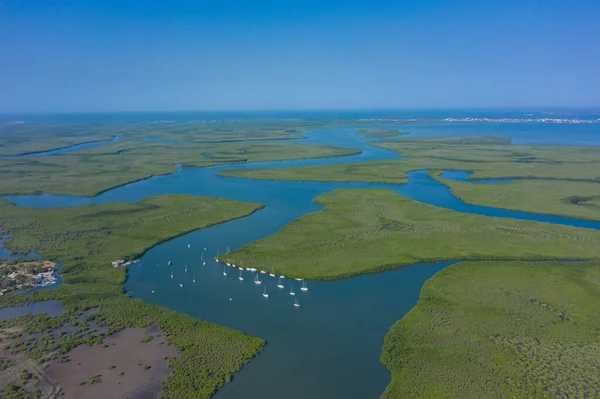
(275, 110)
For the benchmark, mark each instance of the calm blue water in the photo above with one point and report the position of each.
(330, 346)
(420, 114)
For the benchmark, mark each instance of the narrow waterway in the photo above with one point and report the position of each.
(329, 347)
(64, 150)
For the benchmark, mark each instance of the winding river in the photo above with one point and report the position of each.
(330, 346)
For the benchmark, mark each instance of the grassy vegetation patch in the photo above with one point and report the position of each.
(562, 180)
(380, 133)
(486, 157)
(501, 330)
(552, 197)
(365, 230)
(92, 171)
(86, 239)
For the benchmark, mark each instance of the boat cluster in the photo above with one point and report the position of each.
(257, 280)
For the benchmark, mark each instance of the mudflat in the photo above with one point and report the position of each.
(123, 367)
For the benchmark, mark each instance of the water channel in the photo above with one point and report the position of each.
(330, 346)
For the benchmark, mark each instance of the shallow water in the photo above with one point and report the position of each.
(6, 254)
(51, 308)
(329, 347)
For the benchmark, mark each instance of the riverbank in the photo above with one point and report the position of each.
(87, 238)
(486, 157)
(93, 171)
(499, 329)
(298, 348)
(574, 199)
(367, 231)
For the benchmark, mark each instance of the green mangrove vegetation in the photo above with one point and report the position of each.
(500, 330)
(368, 230)
(552, 197)
(86, 239)
(92, 171)
(380, 133)
(370, 171)
(486, 157)
(21, 138)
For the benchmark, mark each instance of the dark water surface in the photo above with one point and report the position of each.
(329, 347)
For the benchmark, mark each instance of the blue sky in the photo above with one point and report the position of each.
(92, 55)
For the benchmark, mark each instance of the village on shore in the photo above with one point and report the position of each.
(20, 274)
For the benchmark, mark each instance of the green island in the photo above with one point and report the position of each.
(500, 330)
(86, 239)
(380, 133)
(372, 230)
(486, 157)
(565, 178)
(95, 170)
(573, 199)
(26, 138)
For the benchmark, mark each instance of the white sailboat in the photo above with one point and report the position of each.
(171, 274)
(265, 293)
(181, 285)
(296, 303)
(186, 268)
(241, 278)
(279, 284)
(203, 263)
(304, 287)
(282, 276)
(188, 245)
(256, 280)
(153, 291)
(298, 279)
(272, 274)
(224, 272)
(169, 263)
(193, 279)
(292, 291)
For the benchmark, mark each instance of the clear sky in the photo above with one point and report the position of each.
(116, 55)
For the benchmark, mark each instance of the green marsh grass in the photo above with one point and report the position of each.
(367, 230)
(500, 330)
(86, 239)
